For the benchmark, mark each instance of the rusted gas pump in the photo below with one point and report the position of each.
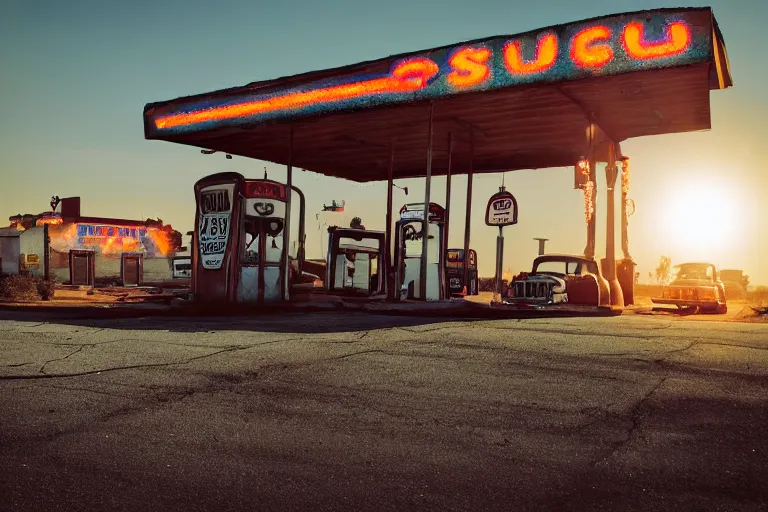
(240, 254)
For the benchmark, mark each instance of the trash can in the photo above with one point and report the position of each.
(625, 272)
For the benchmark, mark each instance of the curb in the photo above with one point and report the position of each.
(474, 311)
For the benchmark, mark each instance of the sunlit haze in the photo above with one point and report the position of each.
(76, 75)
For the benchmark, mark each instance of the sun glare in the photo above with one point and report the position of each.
(700, 220)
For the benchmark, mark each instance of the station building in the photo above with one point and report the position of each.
(63, 245)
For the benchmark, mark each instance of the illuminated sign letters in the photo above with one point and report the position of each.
(546, 55)
(607, 46)
(94, 231)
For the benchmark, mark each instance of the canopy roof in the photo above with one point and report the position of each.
(526, 100)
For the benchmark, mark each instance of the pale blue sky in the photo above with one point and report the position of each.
(75, 76)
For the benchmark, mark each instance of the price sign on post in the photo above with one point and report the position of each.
(501, 211)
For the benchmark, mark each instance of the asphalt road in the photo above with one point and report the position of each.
(345, 412)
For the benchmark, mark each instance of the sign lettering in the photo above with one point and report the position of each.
(265, 189)
(213, 235)
(215, 201)
(94, 231)
(501, 210)
(609, 46)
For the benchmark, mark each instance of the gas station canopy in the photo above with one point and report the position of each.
(509, 102)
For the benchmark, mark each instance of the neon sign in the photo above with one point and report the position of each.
(590, 48)
(93, 231)
(469, 66)
(546, 55)
(676, 40)
(608, 46)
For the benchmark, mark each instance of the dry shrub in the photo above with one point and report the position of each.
(25, 288)
(46, 289)
(486, 284)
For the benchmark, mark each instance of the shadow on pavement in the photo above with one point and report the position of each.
(337, 319)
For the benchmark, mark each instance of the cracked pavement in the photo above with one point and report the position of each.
(332, 411)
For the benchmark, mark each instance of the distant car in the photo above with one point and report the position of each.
(695, 285)
(559, 279)
(735, 283)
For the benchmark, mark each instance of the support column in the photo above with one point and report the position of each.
(499, 264)
(468, 218)
(627, 265)
(389, 265)
(609, 263)
(286, 262)
(448, 190)
(624, 201)
(589, 251)
(47, 253)
(425, 229)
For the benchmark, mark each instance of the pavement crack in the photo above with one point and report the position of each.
(567, 332)
(752, 347)
(634, 419)
(76, 351)
(16, 365)
(362, 352)
(43, 375)
(676, 351)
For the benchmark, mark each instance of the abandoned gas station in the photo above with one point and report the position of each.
(563, 96)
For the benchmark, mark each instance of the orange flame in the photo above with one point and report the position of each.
(49, 220)
(162, 240)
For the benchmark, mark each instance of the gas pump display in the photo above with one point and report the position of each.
(215, 221)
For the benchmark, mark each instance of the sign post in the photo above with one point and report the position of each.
(501, 211)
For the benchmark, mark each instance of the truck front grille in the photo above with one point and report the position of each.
(532, 290)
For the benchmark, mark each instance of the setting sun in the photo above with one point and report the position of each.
(700, 219)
